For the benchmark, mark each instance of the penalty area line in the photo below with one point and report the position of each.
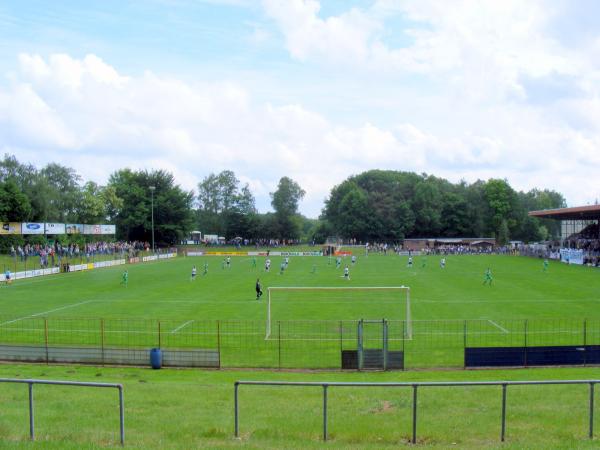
(501, 328)
(45, 312)
(181, 326)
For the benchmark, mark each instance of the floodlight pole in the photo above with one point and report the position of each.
(152, 189)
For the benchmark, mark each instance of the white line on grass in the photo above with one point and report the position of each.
(504, 330)
(46, 312)
(181, 326)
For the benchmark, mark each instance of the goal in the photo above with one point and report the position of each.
(398, 296)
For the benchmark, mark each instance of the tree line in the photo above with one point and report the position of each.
(385, 205)
(56, 193)
(373, 206)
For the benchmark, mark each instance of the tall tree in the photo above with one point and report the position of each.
(285, 202)
(224, 208)
(63, 192)
(14, 204)
(98, 204)
(172, 206)
(502, 204)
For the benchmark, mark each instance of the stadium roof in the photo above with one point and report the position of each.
(591, 212)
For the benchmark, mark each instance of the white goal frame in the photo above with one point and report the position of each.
(406, 289)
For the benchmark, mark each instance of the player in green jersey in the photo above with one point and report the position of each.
(488, 277)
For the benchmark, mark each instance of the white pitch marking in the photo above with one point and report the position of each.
(498, 326)
(181, 326)
(46, 312)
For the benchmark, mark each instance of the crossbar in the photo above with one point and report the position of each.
(32, 382)
(415, 385)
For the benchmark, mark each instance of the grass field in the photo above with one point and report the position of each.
(162, 290)
(194, 409)
(162, 307)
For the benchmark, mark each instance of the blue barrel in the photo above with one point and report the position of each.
(156, 358)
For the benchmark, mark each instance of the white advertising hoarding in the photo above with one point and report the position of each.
(55, 228)
(32, 228)
(108, 229)
(92, 229)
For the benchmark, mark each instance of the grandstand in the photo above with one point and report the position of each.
(580, 232)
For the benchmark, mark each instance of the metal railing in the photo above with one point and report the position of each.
(31, 382)
(415, 386)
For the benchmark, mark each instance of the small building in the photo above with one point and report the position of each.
(418, 244)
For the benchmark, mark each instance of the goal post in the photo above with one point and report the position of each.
(405, 289)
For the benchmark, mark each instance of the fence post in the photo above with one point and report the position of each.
(525, 327)
(236, 409)
(584, 342)
(341, 338)
(122, 415)
(591, 410)
(31, 416)
(324, 412)
(102, 338)
(414, 415)
(279, 343)
(219, 341)
(159, 334)
(502, 433)
(465, 344)
(404, 345)
(46, 339)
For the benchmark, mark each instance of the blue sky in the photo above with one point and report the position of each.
(315, 90)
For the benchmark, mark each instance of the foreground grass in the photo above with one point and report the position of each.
(194, 409)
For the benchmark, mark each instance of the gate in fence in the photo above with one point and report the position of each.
(372, 348)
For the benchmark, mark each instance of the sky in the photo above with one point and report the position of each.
(314, 90)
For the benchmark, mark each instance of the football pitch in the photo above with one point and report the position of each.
(450, 307)
(164, 290)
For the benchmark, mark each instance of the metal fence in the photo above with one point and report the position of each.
(31, 383)
(415, 386)
(292, 344)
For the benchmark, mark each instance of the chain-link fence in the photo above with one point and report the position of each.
(292, 344)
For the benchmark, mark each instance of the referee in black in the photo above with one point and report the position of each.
(258, 289)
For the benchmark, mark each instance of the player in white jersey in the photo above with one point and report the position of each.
(443, 263)
(410, 261)
(353, 259)
(347, 273)
(267, 265)
(194, 272)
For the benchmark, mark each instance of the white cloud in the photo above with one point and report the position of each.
(481, 48)
(97, 120)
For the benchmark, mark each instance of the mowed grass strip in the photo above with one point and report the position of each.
(194, 409)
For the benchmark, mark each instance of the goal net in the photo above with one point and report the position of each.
(337, 303)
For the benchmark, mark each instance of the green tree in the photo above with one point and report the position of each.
(14, 205)
(172, 206)
(98, 204)
(285, 202)
(224, 208)
(502, 205)
(63, 193)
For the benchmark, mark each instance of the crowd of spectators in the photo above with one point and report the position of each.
(50, 255)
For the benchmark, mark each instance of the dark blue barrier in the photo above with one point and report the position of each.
(556, 355)
(494, 356)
